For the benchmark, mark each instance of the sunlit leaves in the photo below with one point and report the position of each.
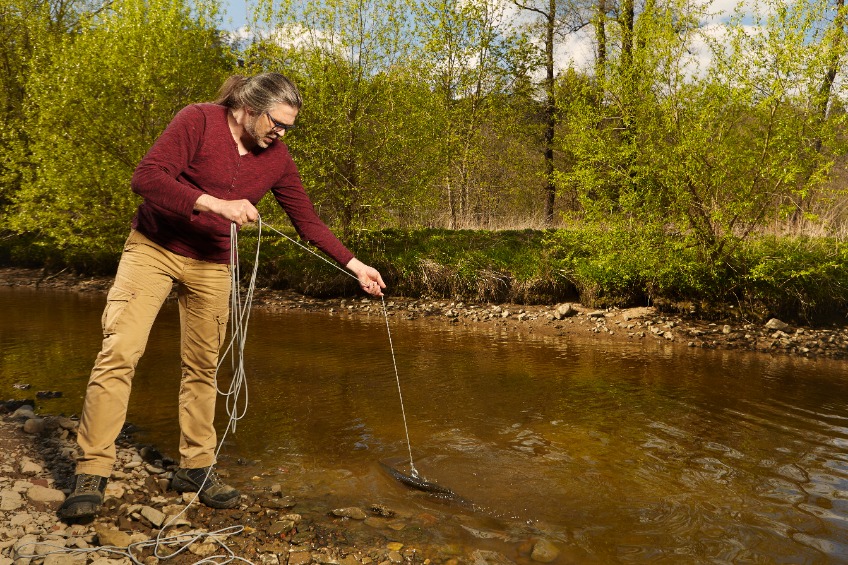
(96, 100)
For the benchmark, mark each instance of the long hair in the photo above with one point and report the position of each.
(259, 93)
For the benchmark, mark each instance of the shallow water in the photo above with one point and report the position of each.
(619, 454)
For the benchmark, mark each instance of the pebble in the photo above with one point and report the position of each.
(353, 513)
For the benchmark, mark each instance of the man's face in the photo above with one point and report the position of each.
(265, 127)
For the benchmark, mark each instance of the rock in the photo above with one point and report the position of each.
(107, 561)
(114, 490)
(10, 500)
(382, 510)
(300, 558)
(544, 551)
(67, 423)
(23, 413)
(19, 520)
(269, 559)
(597, 314)
(26, 544)
(65, 559)
(110, 536)
(353, 513)
(30, 467)
(726, 329)
(156, 517)
(280, 527)
(45, 495)
(34, 426)
(203, 549)
(279, 503)
(395, 557)
(565, 311)
(49, 546)
(483, 557)
(775, 324)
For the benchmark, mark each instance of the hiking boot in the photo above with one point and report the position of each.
(213, 491)
(86, 499)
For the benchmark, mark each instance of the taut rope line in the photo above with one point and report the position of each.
(388, 331)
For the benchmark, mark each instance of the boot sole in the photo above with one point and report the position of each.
(79, 511)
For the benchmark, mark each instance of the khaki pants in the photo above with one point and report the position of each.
(145, 277)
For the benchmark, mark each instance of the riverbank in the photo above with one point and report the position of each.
(143, 516)
(645, 325)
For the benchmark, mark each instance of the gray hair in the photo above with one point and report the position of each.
(259, 93)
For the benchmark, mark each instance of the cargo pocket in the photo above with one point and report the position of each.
(222, 328)
(116, 303)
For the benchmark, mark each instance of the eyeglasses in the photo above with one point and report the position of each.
(278, 127)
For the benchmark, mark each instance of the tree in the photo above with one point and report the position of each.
(553, 18)
(705, 157)
(476, 67)
(96, 102)
(363, 137)
(25, 27)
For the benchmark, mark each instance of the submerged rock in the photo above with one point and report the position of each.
(544, 551)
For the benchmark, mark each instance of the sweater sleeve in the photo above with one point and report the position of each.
(155, 177)
(291, 195)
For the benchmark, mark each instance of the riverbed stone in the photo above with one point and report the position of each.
(155, 517)
(544, 551)
(10, 500)
(22, 413)
(30, 467)
(352, 512)
(111, 536)
(484, 557)
(65, 559)
(566, 310)
(775, 324)
(45, 495)
(34, 426)
(300, 558)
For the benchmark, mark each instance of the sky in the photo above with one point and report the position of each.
(577, 51)
(236, 11)
(236, 14)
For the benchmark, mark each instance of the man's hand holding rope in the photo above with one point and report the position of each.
(238, 211)
(369, 277)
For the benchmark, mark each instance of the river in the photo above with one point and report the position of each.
(616, 453)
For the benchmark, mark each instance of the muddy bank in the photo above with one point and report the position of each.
(646, 325)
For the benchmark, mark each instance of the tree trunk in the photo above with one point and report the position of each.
(550, 113)
(601, 36)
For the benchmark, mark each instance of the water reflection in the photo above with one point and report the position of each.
(627, 454)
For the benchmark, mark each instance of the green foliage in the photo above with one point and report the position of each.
(800, 278)
(362, 148)
(96, 100)
(707, 157)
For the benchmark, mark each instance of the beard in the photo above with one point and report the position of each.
(262, 141)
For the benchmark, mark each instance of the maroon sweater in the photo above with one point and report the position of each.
(197, 154)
